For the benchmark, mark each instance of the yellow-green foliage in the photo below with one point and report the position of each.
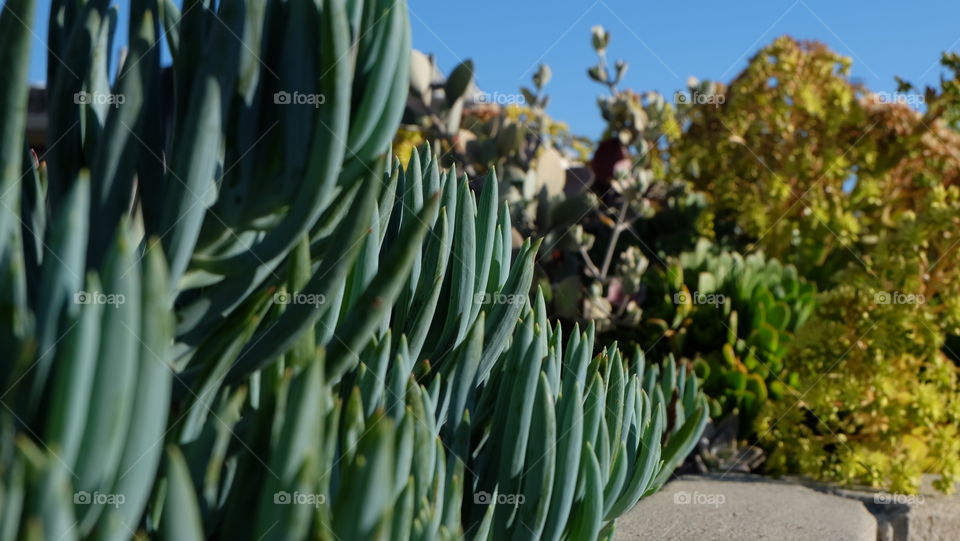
(784, 131)
(811, 167)
(863, 196)
(878, 402)
(919, 255)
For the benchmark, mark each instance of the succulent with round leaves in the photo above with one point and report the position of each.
(733, 317)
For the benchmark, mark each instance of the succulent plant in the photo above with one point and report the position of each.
(628, 200)
(316, 336)
(734, 317)
(721, 449)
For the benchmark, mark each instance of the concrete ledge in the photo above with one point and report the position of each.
(928, 516)
(701, 508)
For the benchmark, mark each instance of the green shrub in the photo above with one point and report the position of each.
(876, 395)
(808, 166)
(877, 403)
(879, 394)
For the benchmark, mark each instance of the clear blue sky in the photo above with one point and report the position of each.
(664, 42)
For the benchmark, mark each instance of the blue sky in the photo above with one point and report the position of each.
(664, 42)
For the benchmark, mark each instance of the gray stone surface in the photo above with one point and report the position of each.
(928, 516)
(704, 508)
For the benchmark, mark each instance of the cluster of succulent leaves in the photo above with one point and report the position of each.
(214, 330)
(798, 180)
(732, 317)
